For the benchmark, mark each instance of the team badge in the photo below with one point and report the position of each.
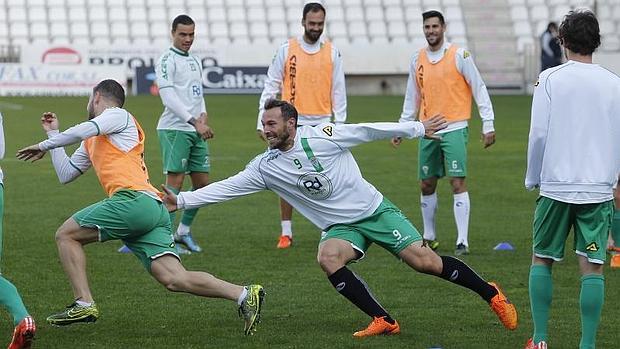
(329, 130)
(592, 247)
(466, 54)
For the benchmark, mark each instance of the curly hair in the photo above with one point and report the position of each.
(579, 32)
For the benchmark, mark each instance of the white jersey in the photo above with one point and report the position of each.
(575, 134)
(2, 146)
(465, 65)
(181, 72)
(318, 176)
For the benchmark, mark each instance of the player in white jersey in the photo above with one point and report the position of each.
(314, 170)
(182, 127)
(25, 328)
(573, 159)
(308, 72)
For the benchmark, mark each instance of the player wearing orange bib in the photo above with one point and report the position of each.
(112, 143)
(307, 71)
(442, 81)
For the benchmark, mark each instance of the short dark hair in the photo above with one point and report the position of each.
(312, 7)
(181, 19)
(433, 13)
(288, 110)
(552, 25)
(112, 90)
(579, 32)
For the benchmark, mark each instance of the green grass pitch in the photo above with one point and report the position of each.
(301, 309)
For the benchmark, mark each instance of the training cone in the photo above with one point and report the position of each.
(504, 246)
(124, 249)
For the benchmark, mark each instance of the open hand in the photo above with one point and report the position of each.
(32, 153)
(169, 199)
(431, 126)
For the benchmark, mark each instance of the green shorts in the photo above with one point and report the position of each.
(436, 157)
(554, 219)
(387, 227)
(183, 151)
(137, 219)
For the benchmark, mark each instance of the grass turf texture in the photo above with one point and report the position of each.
(301, 309)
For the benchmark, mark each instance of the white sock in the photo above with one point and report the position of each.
(287, 228)
(244, 294)
(84, 304)
(428, 204)
(183, 229)
(461, 216)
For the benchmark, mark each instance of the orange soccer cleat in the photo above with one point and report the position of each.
(530, 344)
(23, 335)
(615, 261)
(506, 311)
(378, 326)
(285, 241)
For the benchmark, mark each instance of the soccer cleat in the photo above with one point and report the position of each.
(73, 314)
(187, 240)
(461, 249)
(615, 261)
(285, 241)
(530, 344)
(23, 335)
(251, 307)
(377, 327)
(506, 311)
(433, 244)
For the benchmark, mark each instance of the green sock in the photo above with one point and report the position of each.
(10, 299)
(541, 293)
(173, 215)
(188, 215)
(615, 228)
(591, 304)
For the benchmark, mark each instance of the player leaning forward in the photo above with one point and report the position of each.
(313, 169)
(112, 142)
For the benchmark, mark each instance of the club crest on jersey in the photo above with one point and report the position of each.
(328, 130)
(315, 186)
(592, 247)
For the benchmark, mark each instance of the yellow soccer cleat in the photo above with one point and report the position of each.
(74, 313)
(506, 311)
(251, 307)
(377, 327)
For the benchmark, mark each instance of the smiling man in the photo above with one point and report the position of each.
(314, 170)
(307, 72)
(442, 80)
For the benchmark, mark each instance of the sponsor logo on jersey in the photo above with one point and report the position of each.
(328, 130)
(315, 186)
(292, 74)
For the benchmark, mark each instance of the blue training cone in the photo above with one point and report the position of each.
(504, 246)
(124, 249)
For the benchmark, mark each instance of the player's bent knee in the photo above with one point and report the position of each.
(330, 260)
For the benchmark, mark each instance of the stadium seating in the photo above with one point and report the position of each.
(228, 21)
